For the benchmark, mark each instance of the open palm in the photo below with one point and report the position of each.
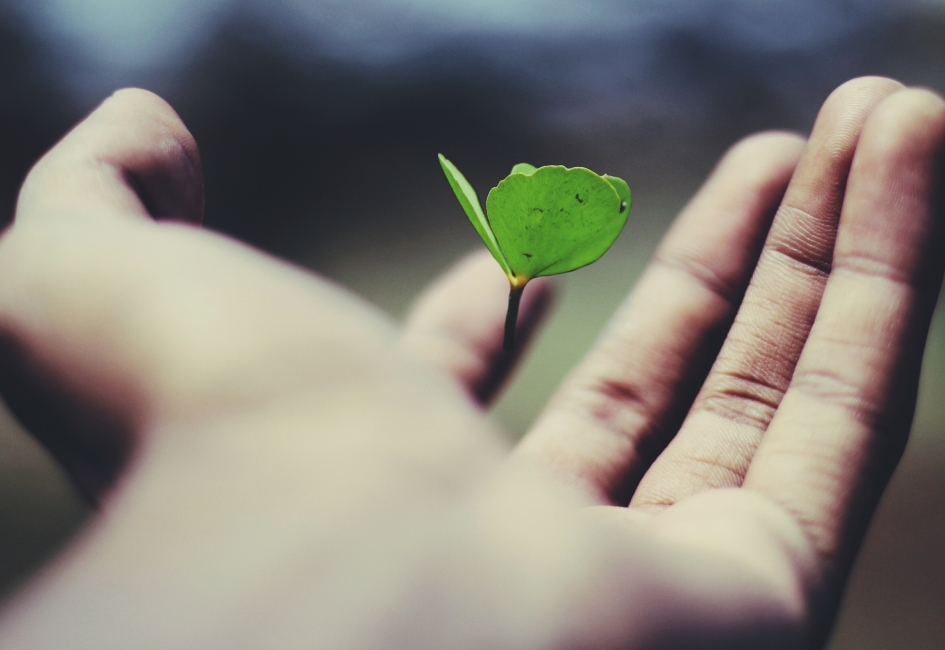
(280, 466)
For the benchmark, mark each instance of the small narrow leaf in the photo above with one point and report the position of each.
(470, 201)
(523, 168)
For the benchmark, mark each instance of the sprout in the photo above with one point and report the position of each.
(543, 221)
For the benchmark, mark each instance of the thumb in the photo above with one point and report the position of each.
(132, 155)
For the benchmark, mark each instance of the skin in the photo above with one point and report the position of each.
(277, 465)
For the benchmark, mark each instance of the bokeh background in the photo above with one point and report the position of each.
(319, 122)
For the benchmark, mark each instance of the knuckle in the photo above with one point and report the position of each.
(873, 266)
(742, 397)
(617, 405)
(803, 240)
(833, 386)
(704, 275)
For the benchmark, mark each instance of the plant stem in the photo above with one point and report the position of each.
(511, 316)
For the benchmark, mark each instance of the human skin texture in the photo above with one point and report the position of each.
(278, 465)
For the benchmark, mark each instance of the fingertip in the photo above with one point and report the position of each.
(457, 324)
(867, 89)
(893, 210)
(141, 102)
(766, 143)
(912, 119)
(765, 159)
(865, 82)
(168, 176)
(131, 155)
(841, 118)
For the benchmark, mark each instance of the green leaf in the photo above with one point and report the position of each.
(556, 219)
(544, 221)
(470, 201)
(622, 189)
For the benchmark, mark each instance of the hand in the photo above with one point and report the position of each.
(279, 466)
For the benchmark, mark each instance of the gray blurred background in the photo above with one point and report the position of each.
(319, 122)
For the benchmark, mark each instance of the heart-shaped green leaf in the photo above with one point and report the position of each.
(555, 219)
(544, 221)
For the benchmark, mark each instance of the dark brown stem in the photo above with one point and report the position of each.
(511, 316)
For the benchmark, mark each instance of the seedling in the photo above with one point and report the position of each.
(543, 221)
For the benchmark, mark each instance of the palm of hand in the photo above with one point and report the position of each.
(728, 481)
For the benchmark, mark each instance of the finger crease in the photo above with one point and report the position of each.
(799, 258)
(614, 403)
(743, 398)
(830, 386)
(870, 267)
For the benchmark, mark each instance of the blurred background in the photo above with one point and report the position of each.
(319, 122)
